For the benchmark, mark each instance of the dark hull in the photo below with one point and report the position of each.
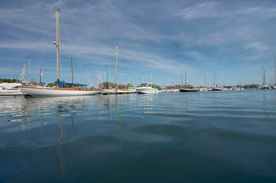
(189, 90)
(216, 89)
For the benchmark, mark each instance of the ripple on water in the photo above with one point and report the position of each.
(176, 137)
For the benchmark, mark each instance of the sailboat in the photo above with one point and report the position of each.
(264, 86)
(76, 90)
(274, 86)
(118, 89)
(188, 88)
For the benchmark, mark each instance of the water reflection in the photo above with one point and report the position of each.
(119, 123)
(59, 146)
(71, 138)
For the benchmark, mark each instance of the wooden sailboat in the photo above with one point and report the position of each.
(76, 90)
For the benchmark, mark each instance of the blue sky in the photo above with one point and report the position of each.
(231, 40)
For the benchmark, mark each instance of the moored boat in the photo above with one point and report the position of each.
(55, 92)
(146, 88)
(76, 90)
(217, 88)
(264, 87)
(189, 89)
(10, 89)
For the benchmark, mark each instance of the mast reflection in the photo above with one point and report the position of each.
(119, 123)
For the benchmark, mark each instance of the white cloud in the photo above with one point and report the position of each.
(203, 10)
(257, 46)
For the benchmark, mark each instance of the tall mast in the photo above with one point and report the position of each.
(72, 70)
(264, 76)
(186, 78)
(204, 73)
(40, 78)
(30, 60)
(57, 42)
(116, 88)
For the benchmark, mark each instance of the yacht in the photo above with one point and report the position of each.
(264, 87)
(146, 88)
(217, 88)
(10, 89)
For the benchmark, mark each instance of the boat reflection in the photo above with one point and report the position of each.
(59, 146)
(119, 123)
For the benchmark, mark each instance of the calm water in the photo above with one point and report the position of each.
(177, 137)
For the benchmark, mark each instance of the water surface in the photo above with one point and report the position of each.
(179, 137)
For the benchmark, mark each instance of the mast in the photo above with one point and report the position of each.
(264, 76)
(72, 70)
(30, 60)
(204, 73)
(116, 88)
(57, 42)
(274, 71)
(186, 77)
(40, 78)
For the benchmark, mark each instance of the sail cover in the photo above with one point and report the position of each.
(61, 84)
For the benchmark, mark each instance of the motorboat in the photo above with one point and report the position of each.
(146, 88)
(10, 89)
(264, 87)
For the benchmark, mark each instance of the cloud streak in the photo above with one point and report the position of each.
(165, 36)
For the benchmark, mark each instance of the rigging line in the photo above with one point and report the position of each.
(66, 31)
(48, 35)
(69, 38)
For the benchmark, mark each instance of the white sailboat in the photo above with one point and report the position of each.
(77, 90)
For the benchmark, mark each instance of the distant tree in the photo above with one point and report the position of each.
(107, 85)
(52, 84)
(155, 86)
(251, 86)
(8, 80)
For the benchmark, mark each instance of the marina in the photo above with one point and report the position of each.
(137, 91)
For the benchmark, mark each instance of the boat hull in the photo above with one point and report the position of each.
(49, 92)
(217, 89)
(189, 90)
(146, 90)
(119, 91)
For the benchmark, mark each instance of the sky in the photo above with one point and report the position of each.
(218, 41)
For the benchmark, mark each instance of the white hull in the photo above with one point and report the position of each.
(113, 91)
(108, 91)
(10, 89)
(146, 90)
(49, 92)
(10, 92)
